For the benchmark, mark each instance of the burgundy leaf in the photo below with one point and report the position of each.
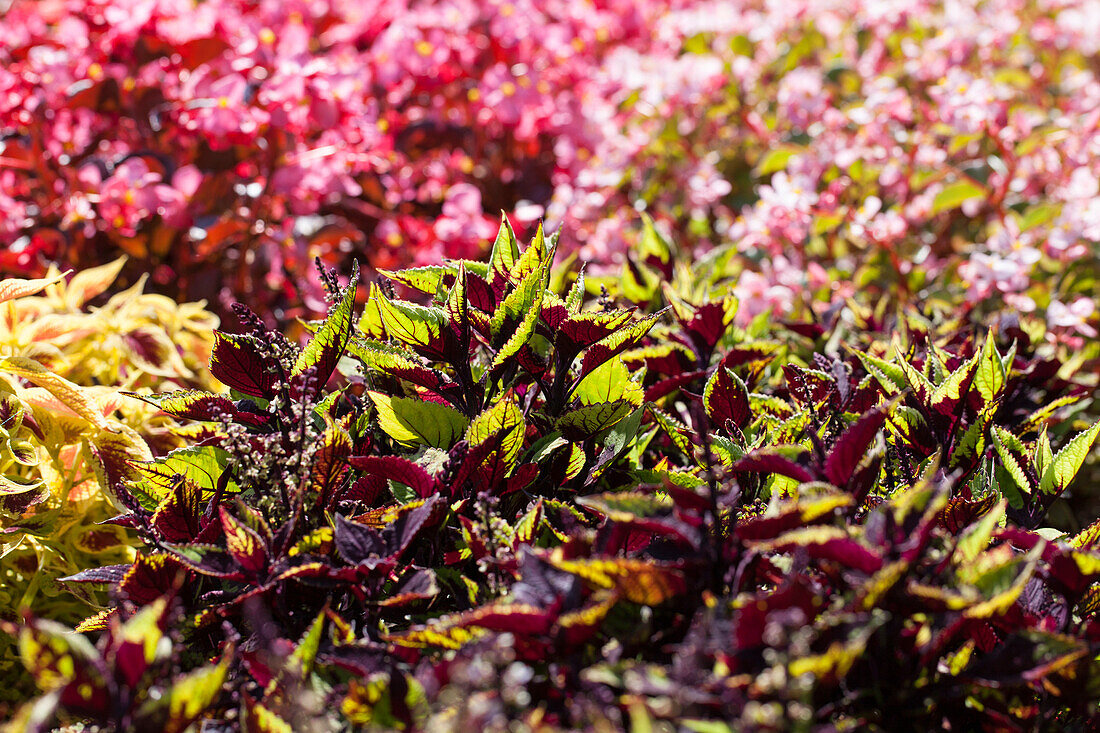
(237, 363)
(398, 469)
(852, 446)
(768, 460)
(726, 399)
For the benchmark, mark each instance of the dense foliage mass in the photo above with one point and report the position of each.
(841, 146)
(508, 502)
(65, 427)
(807, 444)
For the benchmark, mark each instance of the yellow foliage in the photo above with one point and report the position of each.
(63, 367)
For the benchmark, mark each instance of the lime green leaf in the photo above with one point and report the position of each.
(409, 420)
(505, 252)
(990, 377)
(1065, 465)
(890, 376)
(503, 418)
(188, 698)
(1003, 442)
(425, 279)
(411, 324)
(584, 422)
(608, 383)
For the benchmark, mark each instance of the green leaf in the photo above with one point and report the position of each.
(975, 539)
(505, 252)
(584, 422)
(300, 662)
(890, 376)
(187, 699)
(608, 383)
(535, 257)
(409, 420)
(524, 302)
(1003, 443)
(54, 655)
(504, 419)
(953, 195)
(201, 465)
(990, 377)
(947, 394)
(653, 243)
(776, 159)
(1065, 465)
(425, 279)
(413, 325)
(575, 296)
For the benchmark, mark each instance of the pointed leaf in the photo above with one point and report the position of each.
(853, 445)
(727, 399)
(327, 345)
(1067, 462)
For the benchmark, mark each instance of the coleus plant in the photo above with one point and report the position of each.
(65, 426)
(506, 501)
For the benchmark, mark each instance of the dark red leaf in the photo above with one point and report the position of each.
(238, 364)
(852, 446)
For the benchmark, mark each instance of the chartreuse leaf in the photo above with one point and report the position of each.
(584, 422)
(609, 382)
(411, 324)
(1065, 465)
(302, 658)
(532, 286)
(975, 539)
(516, 305)
(1005, 443)
(535, 257)
(328, 344)
(1002, 579)
(890, 376)
(627, 506)
(502, 421)
(676, 430)
(947, 394)
(259, 719)
(408, 420)
(201, 465)
(187, 699)
(425, 279)
(370, 323)
(575, 297)
(838, 659)
(652, 242)
(624, 338)
(54, 655)
(990, 375)
(1042, 455)
(972, 442)
(505, 252)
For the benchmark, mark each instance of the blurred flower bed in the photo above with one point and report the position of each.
(226, 144)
